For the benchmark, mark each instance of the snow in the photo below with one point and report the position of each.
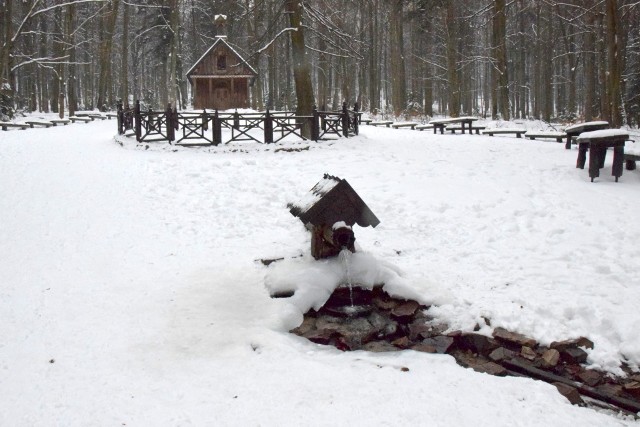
(130, 291)
(579, 125)
(604, 133)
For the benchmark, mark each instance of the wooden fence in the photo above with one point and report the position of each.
(205, 128)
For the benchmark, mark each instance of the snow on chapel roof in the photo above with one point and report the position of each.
(221, 40)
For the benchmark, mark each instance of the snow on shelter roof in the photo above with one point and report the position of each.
(332, 200)
(221, 40)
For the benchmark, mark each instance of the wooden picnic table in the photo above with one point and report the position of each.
(597, 143)
(579, 128)
(465, 123)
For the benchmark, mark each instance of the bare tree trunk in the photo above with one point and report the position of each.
(396, 46)
(124, 72)
(613, 83)
(71, 75)
(500, 80)
(589, 68)
(106, 44)
(452, 63)
(301, 65)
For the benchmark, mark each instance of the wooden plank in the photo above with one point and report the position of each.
(527, 369)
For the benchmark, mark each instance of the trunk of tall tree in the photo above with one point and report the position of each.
(124, 72)
(452, 63)
(374, 63)
(396, 46)
(71, 75)
(106, 44)
(500, 80)
(589, 69)
(613, 62)
(301, 65)
(174, 23)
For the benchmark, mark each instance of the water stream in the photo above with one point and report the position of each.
(345, 256)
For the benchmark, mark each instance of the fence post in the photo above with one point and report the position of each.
(345, 120)
(268, 128)
(315, 125)
(138, 119)
(236, 120)
(120, 118)
(217, 129)
(205, 120)
(356, 119)
(171, 132)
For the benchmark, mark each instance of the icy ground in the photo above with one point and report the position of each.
(130, 293)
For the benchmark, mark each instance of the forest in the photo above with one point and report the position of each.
(505, 59)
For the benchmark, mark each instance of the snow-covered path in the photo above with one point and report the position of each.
(130, 294)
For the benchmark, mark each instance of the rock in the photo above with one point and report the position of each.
(573, 343)
(328, 322)
(585, 342)
(477, 343)
(612, 389)
(308, 323)
(573, 355)
(383, 326)
(514, 338)
(571, 393)
(633, 388)
(356, 332)
(425, 348)
(383, 301)
(590, 377)
(501, 353)
(528, 353)
(491, 369)
(419, 329)
(550, 358)
(404, 310)
(379, 347)
(441, 343)
(402, 342)
(319, 336)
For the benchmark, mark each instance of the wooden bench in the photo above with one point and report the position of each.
(97, 116)
(404, 125)
(365, 121)
(558, 136)
(455, 128)
(630, 161)
(80, 119)
(517, 132)
(112, 116)
(7, 125)
(423, 127)
(34, 123)
(57, 122)
(382, 123)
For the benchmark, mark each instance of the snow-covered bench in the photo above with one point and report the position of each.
(505, 131)
(423, 127)
(80, 119)
(7, 125)
(57, 122)
(412, 125)
(558, 136)
(33, 123)
(631, 156)
(381, 123)
(456, 128)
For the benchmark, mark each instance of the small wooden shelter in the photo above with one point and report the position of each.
(221, 77)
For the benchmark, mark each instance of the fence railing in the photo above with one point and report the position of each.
(205, 128)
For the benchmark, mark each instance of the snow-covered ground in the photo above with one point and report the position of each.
(130, 293)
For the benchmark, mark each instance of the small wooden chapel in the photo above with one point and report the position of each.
(220, 79)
